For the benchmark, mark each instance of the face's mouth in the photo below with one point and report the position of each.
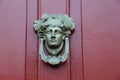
(53, 39)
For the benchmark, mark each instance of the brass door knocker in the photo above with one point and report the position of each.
(54, 31)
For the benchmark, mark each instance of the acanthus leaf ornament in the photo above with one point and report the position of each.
(54, 31)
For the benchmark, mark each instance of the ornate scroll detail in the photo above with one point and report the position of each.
(54, 31)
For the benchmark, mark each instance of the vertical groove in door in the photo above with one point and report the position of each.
(69, 58)
(82, 40)
(39, 61)
(68, 7)
(26, 43)
(76, 41)
(31, 41)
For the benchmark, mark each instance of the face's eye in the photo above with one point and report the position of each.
(60, 26)
(49, 31)
(58, 32)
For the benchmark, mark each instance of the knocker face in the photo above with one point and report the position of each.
(53, 37)
(54, 31)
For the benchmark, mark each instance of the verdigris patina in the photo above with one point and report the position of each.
(54, 31)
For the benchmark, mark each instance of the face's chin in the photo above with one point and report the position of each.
(54, 48)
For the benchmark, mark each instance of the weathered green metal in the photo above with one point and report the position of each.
(54, 31)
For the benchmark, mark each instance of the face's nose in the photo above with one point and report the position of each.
(53, 34)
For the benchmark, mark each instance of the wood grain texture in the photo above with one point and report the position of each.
(12, 39)
(101, 39)
(31, 47)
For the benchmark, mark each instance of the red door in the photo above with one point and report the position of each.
(12, 39)
(101, 39)
(94, 45)
(72, 69)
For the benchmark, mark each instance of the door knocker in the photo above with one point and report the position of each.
(54, 31)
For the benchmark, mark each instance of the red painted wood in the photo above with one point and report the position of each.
(21, 61)
(31, 51)
(72, 69)
(76, 41)
(53, 6)
(46, 71)
(101, 39)
(12, 39)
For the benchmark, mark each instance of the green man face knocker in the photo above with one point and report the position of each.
(54, 32)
